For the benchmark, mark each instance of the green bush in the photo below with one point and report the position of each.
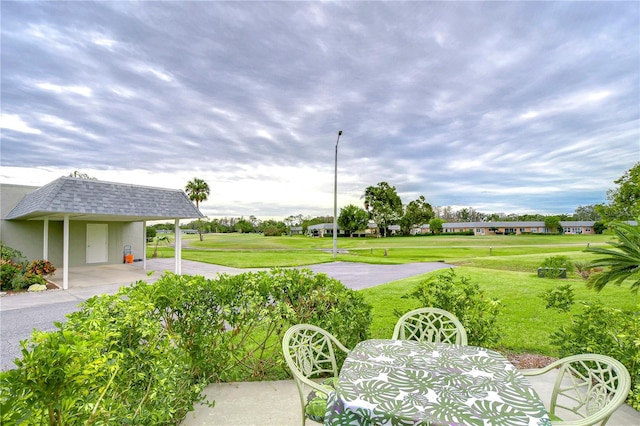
(560, 298)
(554, 265)
(271, 231)
(111, 362)
(607, 331)
(143, 356)
(466, 301)
(231, 327)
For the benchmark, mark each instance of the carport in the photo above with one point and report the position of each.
(110, 213)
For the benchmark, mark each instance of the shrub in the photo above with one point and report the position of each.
(8, 271)
(560, 298)
(271, 231)
(607, 331)
(554, 265)
(585, 270)
(466, 301)
(41, 267)
(142, 356)
(111, 362)
(8, 253)
(231, 327)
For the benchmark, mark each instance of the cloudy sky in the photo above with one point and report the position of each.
(514, 107)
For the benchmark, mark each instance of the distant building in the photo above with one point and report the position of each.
(517, 228)
(322, 230)
(295, 230)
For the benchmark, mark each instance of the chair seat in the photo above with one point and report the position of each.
(316, 406)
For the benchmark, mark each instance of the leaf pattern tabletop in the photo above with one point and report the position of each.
(401, 382)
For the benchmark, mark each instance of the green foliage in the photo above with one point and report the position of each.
(599, 227)
(142, 356)
(231, 327)
(624, 200)
(607, 331)
(560, 298)
(384, 205)
(243, 226)
(271, 231)
(553, 266)
(151, 233)
(435, 225)
(111, 362)
(19, 281)
(466, 301)
(417, 213)
(553, 223)
(8, 272)
(623, 260)
(352, 218)
(273, 228)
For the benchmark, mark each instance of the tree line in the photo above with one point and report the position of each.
(383, 206)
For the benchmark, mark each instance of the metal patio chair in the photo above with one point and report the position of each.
(588, 389)
(309, 352)
(430, 325)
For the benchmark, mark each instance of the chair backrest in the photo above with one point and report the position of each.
(430, 325)
(589, 388)
(309, 352)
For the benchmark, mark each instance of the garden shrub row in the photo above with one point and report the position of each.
(143, 355)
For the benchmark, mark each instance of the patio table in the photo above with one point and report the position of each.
(401, 382)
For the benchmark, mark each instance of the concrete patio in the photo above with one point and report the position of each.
(277, 404)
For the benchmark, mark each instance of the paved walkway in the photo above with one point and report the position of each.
(88, 281)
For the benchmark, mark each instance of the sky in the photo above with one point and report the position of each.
(504, 107)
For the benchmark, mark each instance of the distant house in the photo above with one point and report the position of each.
(295, 230)
(79, 222)
(517, 228)
(322, 230)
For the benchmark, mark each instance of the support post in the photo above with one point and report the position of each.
(65, 253)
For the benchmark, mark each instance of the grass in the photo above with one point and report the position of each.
(504, 267)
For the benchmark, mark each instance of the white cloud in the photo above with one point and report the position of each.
(16, 123)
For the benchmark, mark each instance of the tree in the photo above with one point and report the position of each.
(197, 190)
(383, 204)
(417, 212)
(272, 228)
(79, 175)
(352, 218)
(553, 223)
(586, 213)
(243, 226)
(158, 239)
(624, 201)
(435, 225)
(623, 260)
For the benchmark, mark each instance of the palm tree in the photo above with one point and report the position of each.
(197, 190)
(623, 261)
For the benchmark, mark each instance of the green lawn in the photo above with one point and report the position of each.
(504, 267)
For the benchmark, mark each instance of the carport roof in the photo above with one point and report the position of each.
(85, 199)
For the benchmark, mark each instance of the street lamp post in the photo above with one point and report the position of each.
(335, 201)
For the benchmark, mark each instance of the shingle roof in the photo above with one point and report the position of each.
(110, 201)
